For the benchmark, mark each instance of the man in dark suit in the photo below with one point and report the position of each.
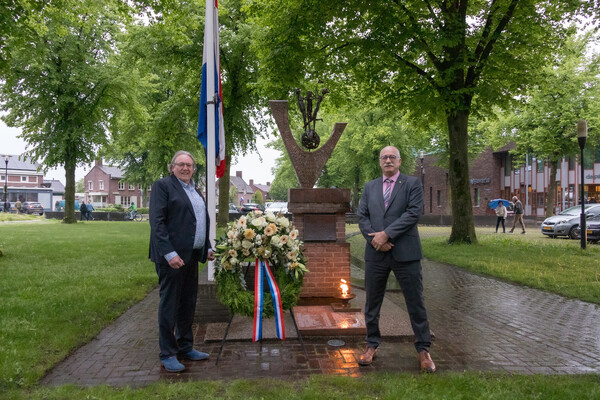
(178, 242)
(388, 213)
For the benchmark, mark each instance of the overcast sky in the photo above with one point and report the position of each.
(250, 165)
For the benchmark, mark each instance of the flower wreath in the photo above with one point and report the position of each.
(264, 237)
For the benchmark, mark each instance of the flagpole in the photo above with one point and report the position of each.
(210, 128)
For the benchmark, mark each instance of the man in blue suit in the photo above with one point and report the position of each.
(178, 242)
(388, 214)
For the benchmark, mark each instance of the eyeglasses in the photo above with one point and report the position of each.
(182, 164)
(391, 157)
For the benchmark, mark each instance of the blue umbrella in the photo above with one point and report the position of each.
(494, 203)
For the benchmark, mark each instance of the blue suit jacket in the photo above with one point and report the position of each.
(399, 220)
(173, 223)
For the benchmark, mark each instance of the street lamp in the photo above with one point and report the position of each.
(6, 209)
(422, 156)
(581, 137)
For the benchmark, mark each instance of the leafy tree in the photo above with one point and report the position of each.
(441, 61)
(80, 186)
(257, 198)
(59, 85)
(233, 198)
(545, 124)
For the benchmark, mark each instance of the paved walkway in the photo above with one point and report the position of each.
(481, 324)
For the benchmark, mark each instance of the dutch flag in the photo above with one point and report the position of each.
(211, 67)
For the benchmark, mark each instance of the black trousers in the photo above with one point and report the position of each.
(178, 293)
(409, 276)
(500, 219)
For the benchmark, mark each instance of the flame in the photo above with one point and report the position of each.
(344, 287)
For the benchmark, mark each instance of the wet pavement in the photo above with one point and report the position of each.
(480, 324)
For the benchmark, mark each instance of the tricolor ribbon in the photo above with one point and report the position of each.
(258, 301)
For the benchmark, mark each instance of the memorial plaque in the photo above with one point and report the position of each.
(319, 227)
(323, 321)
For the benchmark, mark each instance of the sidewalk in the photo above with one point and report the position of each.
(480, 324)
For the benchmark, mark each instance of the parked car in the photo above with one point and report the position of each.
(593, 229)
(247, 207)
(567, 222)
(32, 208)
(11, 209)
(278, 207)
(233, 209)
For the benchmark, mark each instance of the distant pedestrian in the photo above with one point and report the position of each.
(82, 211)
(501, 215)
(18, 206)
(518, 214)
(89, 209)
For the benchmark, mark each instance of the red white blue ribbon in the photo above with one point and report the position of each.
(258, 301)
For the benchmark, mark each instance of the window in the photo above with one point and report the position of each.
(100, 185)
(588, 158)
(121, 185)
(125, 201)
(2, 178)
(476, 197)
(571, 163)
(507, 165)
(23, 179)
(540, 165)
(540, 200)
(90, 185)
(131, 186)
(529, 159)
(140, 187)
(439, 198)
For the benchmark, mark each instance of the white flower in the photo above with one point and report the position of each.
(232, 253)
(270, 216)
(247, 244)
(283, 221)
(231, 234)
(259, 222)
(276, 241)
(294, 234)
(241, 223)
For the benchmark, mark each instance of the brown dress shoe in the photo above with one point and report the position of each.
(366, 358)
(426, 362)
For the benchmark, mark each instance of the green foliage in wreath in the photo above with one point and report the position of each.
(264, 237)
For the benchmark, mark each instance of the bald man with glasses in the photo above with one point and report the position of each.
(388, 214)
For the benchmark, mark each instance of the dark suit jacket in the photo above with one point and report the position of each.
(399, 220)
(173, 223)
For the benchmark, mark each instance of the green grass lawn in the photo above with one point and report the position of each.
(554, 265)
(61, 284)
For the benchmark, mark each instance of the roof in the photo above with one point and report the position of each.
(264, 188)
(240, 185)
(54, 184)
(21, 162)
(114, 172)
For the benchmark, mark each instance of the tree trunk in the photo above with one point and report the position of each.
(551, 189)
(463, 229)
(223, 215)
(69, 217)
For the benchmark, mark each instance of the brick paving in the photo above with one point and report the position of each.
(480, 324)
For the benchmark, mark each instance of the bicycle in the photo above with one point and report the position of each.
(133, 215)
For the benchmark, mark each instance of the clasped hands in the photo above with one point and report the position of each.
(381, 241)
(176, 262)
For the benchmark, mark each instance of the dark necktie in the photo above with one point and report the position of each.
(388, 191)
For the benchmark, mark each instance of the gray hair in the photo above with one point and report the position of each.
(180, 153)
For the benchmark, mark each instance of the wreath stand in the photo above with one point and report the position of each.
(247, 267)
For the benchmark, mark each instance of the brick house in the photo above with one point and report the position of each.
(104, 185)
(493, 174)
(244, 191)
(263, 189)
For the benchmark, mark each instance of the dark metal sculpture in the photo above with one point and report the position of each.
(310, 138)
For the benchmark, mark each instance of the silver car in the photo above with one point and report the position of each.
(567, 222)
